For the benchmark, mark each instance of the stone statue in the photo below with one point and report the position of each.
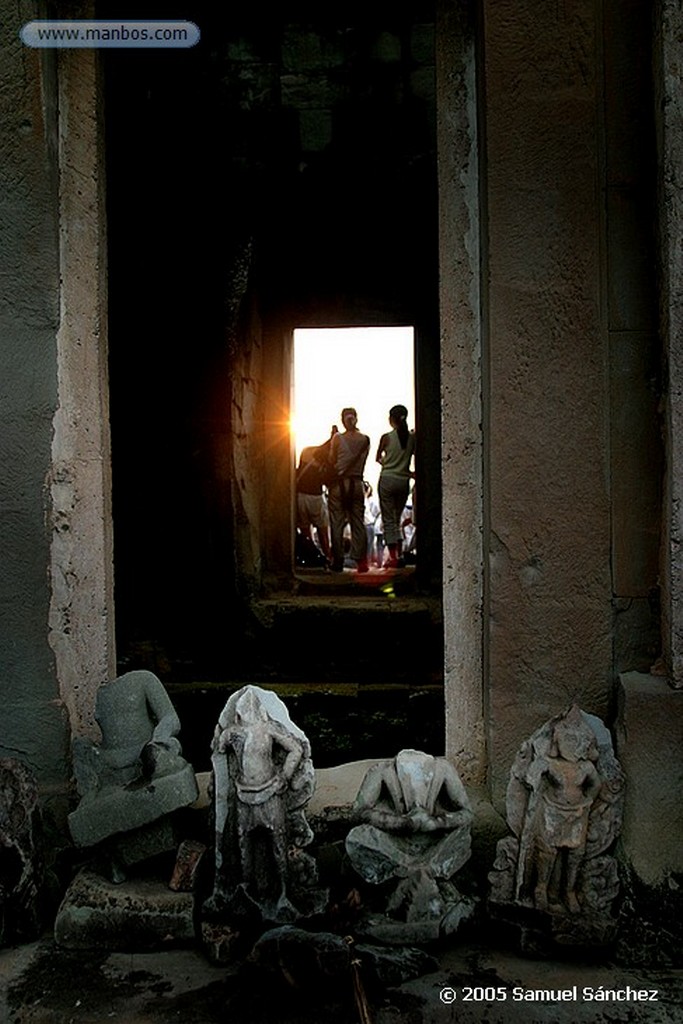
(416, 819)
(564, 805)
(262, 779)
(136, 775)
(21, 853)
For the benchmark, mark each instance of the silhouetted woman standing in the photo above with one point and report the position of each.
(395, 454)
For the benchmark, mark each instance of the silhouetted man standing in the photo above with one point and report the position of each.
(348, 454)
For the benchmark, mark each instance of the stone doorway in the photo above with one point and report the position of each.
(371, 369)
(279, 226)
(199, 372)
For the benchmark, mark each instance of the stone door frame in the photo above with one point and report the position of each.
(462, 386)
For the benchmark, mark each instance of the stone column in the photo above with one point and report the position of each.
(670, 104)
(461, 390)
(550, 633)
(34, 727)
(82, 610)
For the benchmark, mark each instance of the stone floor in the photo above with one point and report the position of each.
(42, 985)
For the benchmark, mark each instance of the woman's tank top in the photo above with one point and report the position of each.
(396, 460)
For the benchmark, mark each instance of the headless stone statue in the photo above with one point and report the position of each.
(564, 805)
(136, 775)
(262, 779)
(416, 829)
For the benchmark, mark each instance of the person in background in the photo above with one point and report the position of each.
(409, 529)
(395, 454)
(371, 517)
(348, 455)
(311, 511)
(379, 542)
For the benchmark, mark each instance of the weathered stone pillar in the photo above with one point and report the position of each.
(670, 105)
(81, 611)
(33, 729)
(461, 390)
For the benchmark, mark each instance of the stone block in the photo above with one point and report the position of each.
(143, 843)
(650, 749)
(338, 786)
(139, 914)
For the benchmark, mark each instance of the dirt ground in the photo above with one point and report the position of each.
(40, 984)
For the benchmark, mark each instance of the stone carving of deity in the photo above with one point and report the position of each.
(262, 779)
(564, 806)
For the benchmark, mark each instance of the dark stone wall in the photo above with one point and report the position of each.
(573, 437)
(635, 352)
(33, 726)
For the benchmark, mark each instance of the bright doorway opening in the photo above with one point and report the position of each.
(369, 368)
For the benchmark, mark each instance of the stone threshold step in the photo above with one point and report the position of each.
(267, 608)
(304, 689)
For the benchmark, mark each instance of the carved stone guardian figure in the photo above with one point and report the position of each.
(263, 778)
(415, 829)
(564, 806)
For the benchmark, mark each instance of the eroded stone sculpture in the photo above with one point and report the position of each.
(136, 775)
(564, 806)
(262, 779)
(21, 853)
(416, 819)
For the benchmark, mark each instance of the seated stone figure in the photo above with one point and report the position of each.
(416, 828)
(136, 775)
